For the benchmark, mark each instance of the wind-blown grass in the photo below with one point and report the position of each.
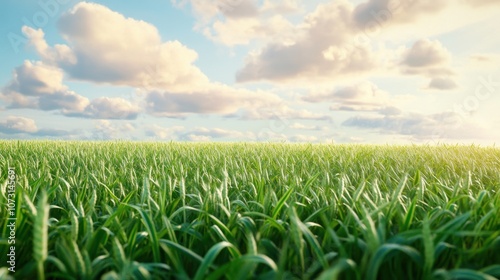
(267, 211)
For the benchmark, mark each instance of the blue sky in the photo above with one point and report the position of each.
(372, 71)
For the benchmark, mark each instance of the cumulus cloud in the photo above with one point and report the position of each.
(68, 102)
(106, 47)
(51, 55)
(109, 108)
(14, 125)
(430, 59)
(39, 86)
(322, 49)
(426, 55)
(36, 79)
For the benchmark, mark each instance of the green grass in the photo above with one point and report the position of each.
(118, 210)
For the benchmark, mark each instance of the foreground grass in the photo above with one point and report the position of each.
(114, 210)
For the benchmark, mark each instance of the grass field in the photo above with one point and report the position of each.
(119, 210)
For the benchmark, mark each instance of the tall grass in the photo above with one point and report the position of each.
(269, 211)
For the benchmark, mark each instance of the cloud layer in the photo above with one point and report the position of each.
(421, 127)
(351, 70)
(106, 47)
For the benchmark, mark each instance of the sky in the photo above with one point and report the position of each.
(338, 71)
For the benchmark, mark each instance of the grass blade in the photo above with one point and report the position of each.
(40, 234)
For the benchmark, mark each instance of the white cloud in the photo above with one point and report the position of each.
(106, 47)
(39, 86)
(15, 124)
(51, 55)
(67, 101)
(36, 79)
(109, 108)
(430, 59)
(322, 50)
(426, 55)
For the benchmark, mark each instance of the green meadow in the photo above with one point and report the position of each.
(124, 210)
